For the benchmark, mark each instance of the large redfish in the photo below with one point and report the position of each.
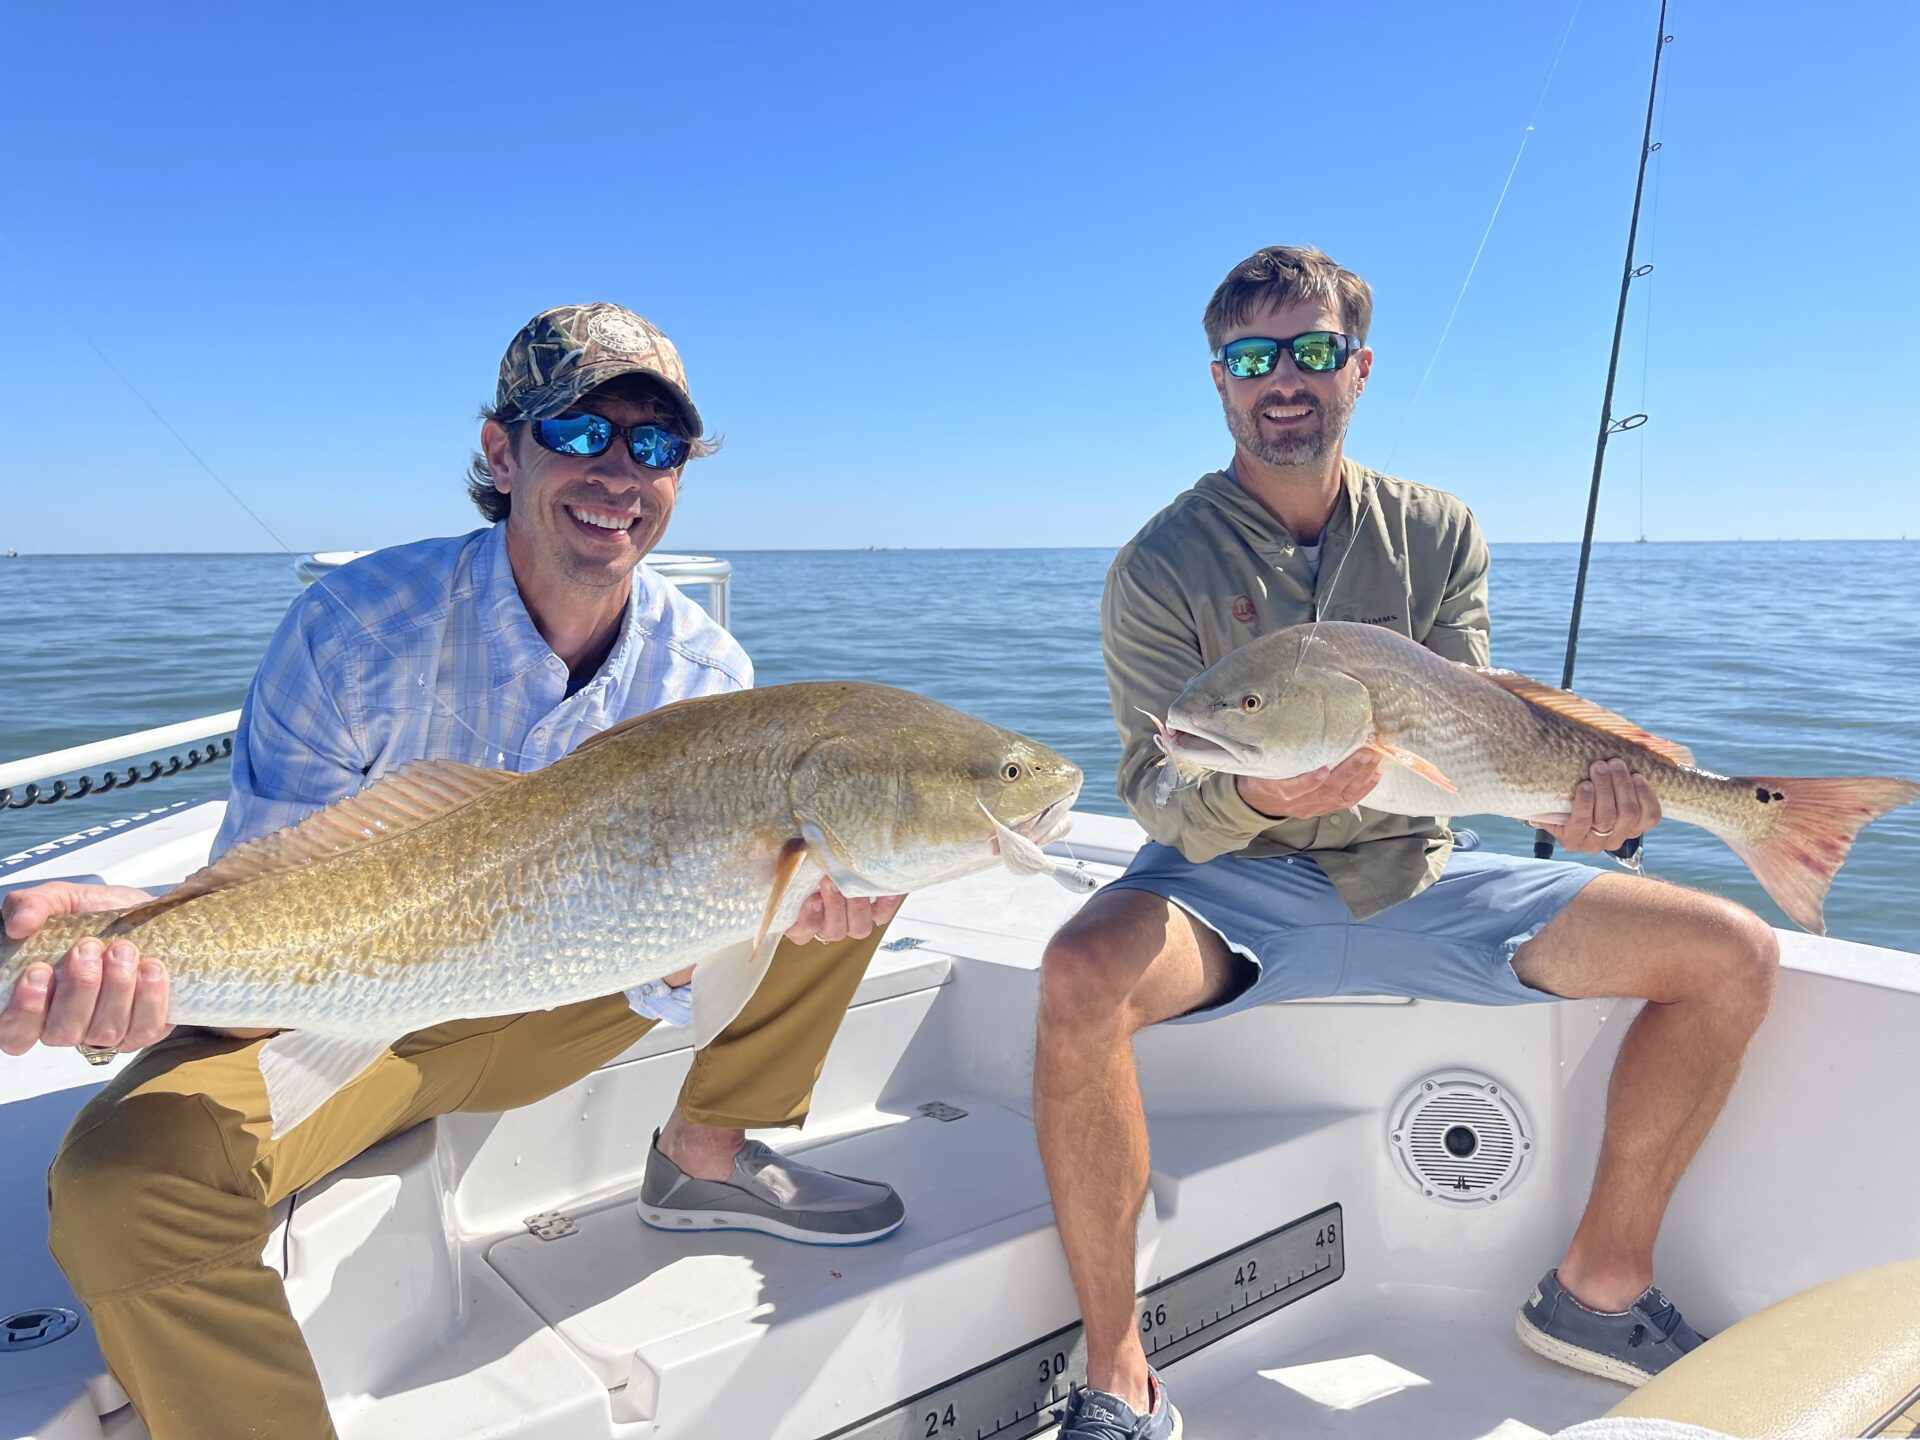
(1468, 741)
(688, 836)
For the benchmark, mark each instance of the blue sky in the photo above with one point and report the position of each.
(937, 272)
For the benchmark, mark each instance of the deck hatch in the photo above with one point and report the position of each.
(30, 1329)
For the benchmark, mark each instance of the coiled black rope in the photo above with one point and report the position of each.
(115, 780)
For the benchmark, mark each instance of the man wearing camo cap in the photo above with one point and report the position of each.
(538, 630)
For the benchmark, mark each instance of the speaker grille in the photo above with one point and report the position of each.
(1460, 1138)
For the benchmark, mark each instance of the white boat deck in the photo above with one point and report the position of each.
(434, 1312)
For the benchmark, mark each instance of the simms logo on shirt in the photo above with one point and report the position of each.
(1242, 609)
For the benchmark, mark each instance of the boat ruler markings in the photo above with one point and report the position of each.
(1015, 1395)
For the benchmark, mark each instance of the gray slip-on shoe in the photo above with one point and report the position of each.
(772, 1194)
(1096, 1415)
(1631, 1345)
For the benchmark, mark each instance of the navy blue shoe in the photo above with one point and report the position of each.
(1096, 1415)
(1631, 1345)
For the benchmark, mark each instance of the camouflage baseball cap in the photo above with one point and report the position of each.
(564, 352)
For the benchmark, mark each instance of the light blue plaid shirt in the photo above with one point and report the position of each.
(425, 651)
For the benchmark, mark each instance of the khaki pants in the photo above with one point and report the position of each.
(161, 1190)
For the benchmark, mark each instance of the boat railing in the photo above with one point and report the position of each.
(82, 760)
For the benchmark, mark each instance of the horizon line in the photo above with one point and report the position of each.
(721, 552)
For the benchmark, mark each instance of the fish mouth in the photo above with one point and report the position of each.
(1048, 825)
(1191, 747)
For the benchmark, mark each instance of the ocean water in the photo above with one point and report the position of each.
(1766, 658)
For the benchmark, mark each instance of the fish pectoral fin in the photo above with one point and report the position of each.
(785, 866)
(1016, 852)
(306, 1068)
(724, 982)
(1425, 769)
(1542, 822)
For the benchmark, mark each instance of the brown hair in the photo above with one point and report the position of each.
(496, 505)
(1281, 275)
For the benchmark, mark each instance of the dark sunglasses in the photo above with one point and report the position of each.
(654, 446)
(1319, 350)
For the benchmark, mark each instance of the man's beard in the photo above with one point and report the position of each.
(1292, 448)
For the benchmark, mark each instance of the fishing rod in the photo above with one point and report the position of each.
(1543, 842)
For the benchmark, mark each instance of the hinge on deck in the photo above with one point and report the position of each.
(550, 1225)
(940, 1110)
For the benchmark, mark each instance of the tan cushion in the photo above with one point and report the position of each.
(1836, 1361)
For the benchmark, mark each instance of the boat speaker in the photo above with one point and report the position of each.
(1460, 1138)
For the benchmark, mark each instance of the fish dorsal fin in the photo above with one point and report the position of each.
(392, 805)
(601, 737)
(1575, 707)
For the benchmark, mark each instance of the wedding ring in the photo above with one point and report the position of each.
(99, 1054)
(1601, 833)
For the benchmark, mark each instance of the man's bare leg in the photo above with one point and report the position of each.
(1127, 960)
(703, 1151)
(1707, 968)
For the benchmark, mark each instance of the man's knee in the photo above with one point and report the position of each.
(1752, 960)
(144, 1190)
(1087, 979)
(1735, 959)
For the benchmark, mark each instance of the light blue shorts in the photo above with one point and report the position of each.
(1455, 940)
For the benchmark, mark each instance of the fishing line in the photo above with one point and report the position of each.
(1646, 318)
(1372, 497)
(1487, 234)
(1646, 354)
(318, 580)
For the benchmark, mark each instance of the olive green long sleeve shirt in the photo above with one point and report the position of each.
(1213, 570)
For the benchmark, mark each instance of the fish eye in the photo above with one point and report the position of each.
(1012, 771)
(1251, 703)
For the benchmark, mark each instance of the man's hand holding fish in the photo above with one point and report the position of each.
(1318, 792)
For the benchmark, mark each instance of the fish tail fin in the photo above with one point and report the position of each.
(1815, 821)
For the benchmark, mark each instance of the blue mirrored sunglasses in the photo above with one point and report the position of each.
(654, 446)
(1318, 350)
